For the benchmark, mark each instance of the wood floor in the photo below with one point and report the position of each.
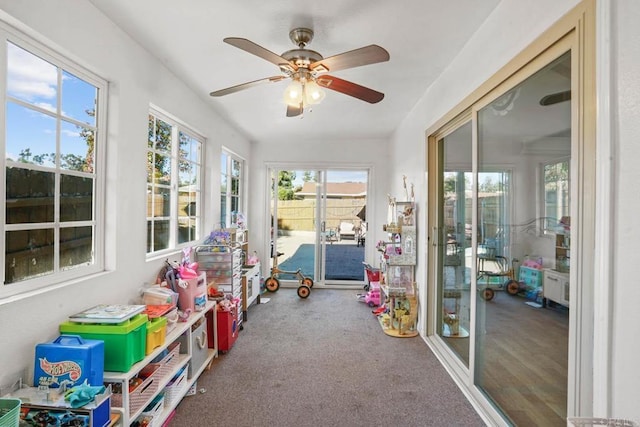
(522, 359)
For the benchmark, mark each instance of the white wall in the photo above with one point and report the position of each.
(626, 148)
(484, 55)
(136, 79)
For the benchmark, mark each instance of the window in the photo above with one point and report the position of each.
(556, 192)
(53, 144)
(174, 156)
(231, 182)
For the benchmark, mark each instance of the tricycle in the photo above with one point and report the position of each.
(272, 283)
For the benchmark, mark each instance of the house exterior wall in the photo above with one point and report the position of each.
(485, 54)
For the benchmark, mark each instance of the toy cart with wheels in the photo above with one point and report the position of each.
(372, 275)
(495, 274)
(272, 283)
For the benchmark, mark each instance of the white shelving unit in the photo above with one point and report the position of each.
(556, 286)
(156, 386)
(250, 287)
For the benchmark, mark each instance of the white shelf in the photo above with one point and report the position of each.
(184, 359)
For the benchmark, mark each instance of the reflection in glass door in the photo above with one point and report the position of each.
(454, 254)
(521, 338)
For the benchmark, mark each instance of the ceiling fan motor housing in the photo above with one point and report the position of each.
(302, 57)
(301, 36)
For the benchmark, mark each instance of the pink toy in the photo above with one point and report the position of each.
(371, 298)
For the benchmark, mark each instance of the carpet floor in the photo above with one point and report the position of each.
(323, 361)
(344, 261)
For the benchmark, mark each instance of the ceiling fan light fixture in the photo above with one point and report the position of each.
(313, 94)
(294, 95)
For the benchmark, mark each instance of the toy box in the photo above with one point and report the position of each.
(157, 295)
(191, 289)
(49, 409)
(68, 361)
(227, 328)
(124, 343)
(156, 333)
(197, 341)
(9, 412)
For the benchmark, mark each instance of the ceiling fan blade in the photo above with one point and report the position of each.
(555, 98)
(371, 54)
(294, 111)
(251, 47)
(247, 85)
(343, 86)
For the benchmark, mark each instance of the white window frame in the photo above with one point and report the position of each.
(59, 277)
(226, 213)
(174, 217)
(546, 228)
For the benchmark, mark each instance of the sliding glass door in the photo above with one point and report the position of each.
(319, 224)
(500, 222)
(521, 341)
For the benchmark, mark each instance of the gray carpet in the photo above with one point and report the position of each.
(323, 361)
(344, 261)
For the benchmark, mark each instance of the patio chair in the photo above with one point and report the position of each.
(346, 229)
(361, 234)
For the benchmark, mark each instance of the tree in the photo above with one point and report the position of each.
(308, 176)
(285, 185)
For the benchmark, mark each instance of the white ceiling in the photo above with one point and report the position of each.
(421, 36)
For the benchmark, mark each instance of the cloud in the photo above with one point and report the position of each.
(29, 77)
(68, 132)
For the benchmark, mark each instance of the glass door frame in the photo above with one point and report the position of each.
(320, 219)
(574, 32)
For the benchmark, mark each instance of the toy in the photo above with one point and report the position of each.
(371, 298)
(272, 283)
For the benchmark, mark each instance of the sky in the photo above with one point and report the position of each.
(35, 81)
(336, 176)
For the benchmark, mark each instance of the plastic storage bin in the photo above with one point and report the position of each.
(156, 295)
(124, 343)
(227, 328)
(156, 333)
(154, 410)
(191, 289)
(37, 406)
(198, 345)
(175, 388)
(9, 412)
(70, 359)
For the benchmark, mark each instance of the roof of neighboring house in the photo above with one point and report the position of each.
(343, 189)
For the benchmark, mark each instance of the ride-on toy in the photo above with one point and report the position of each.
(272, 283)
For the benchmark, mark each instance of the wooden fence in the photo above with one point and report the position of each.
(300, 215)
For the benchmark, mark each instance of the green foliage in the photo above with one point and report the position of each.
(285, 185)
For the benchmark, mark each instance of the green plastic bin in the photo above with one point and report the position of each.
(124, 343)
(9, 412)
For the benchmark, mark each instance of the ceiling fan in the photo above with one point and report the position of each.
(555, 98)
(308, 70)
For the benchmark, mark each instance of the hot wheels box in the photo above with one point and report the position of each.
(69, 360)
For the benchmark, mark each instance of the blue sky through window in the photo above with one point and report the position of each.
(35, 81)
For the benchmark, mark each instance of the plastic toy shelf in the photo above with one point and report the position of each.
(131, 404)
